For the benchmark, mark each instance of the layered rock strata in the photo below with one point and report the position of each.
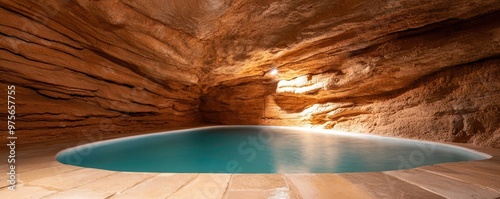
(410, 68)
(459, 104)
(77, 74)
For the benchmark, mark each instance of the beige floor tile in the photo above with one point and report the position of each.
(204, 186)
(472, 177)
(78, 194)
(3, 179)
(275, 194)
(489, 166)
(27, 177)
(254, 182)
(4, 183)
(27, 166)
(159, 186)
(443, 186)
(44, 176)
(260, 186)
(382, 186)
(72, 179)
(325, 186)
(116, 182)
(486, 167)
(294, 192)
(23, 191)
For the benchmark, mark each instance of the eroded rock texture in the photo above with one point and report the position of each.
(459, 104)
(410, 68)
(80, 69)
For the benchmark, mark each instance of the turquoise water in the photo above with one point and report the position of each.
(257, 149)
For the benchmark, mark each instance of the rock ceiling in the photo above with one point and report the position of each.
(154, 59)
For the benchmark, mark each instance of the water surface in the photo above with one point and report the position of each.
(258, 149)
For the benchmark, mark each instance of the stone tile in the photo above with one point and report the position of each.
(28, 165)
(481, 179)
(28, 192)
(325, 186)
(443, 186)
(254, 182)
(78, 194)
(116, 182)
(27, 177)
(4, 183)
(493, 166)
(159, 186)
(72, 179)
(260, 186)
(294, 192)
(104, 187)
(203, 186)
(275, 194)
(380, 185)
(486, 167)
(44, 176)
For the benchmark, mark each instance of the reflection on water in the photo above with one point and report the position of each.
(262, 150)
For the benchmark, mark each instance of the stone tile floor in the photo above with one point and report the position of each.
(41, 176)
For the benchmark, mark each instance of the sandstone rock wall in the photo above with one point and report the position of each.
(74, 76)
(459, 104)
(413, 68)
(425, 70)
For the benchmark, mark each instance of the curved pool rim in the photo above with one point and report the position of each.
(484, 156)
